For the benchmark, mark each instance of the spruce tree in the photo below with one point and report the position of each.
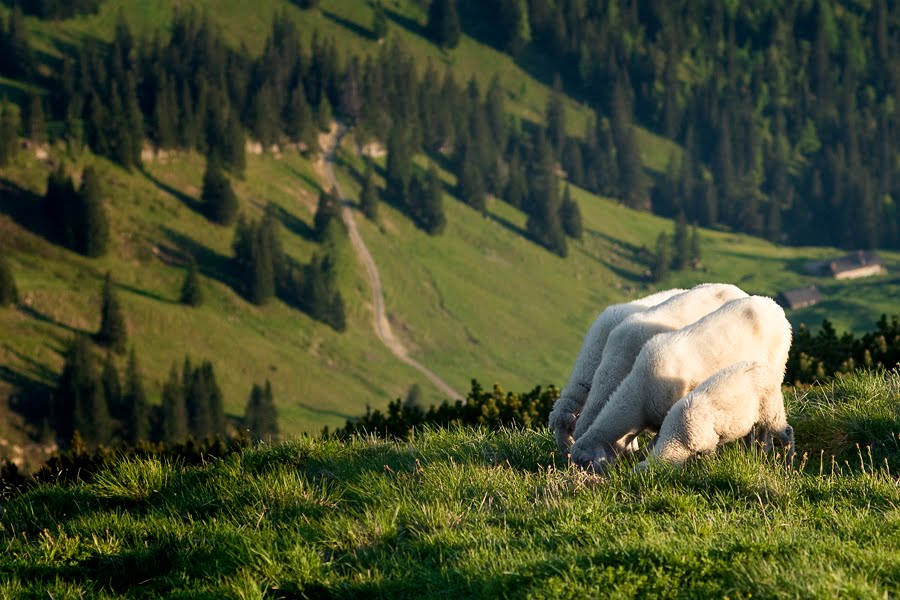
(368, 197)
(470, 184)
(260, 414)
(137, 422)
(680, 243)
(197, 399)
(191, 289)
(112, 333)
(327, 210)
(695, 254)
(432, 208)
(298, 120)
(9, 293)
(379, 22)
(61, 208)
(219, 201)
(570, 215)
(323, 114)
(112, 388)
(35, 123)
(661, 258)
(94, 235)
(443, 23)
(79, 404)
(556, 117)
(214, 398)
(174, 411)
(9, 131)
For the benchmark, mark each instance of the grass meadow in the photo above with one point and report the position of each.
(471, 513)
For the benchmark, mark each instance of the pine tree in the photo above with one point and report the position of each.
(432, 209)
(197, 399)
(570, 215)
(260, 414)
(694, 253)
(379, 22)
(174, 411)
(9, 293)
(368, 197)
(79, 404)
(219, 201)
(443, 23)
(137, 422)
(661, 258)
(9, 131)
(470, 185)
(680, 243)
(94, 235)
(214, 398)
(327, 211)
(112, 388)
(191, 290)
(112, 333)
(35, 124)
(556, 117)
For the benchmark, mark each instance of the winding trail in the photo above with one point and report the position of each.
(379, 315)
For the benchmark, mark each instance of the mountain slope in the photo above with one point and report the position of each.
(480, 301)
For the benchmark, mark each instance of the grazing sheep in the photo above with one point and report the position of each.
(572, 397)
(730, 405)
(672, 364)
(626, 340)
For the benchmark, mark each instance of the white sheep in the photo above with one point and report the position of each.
(571, 399)
(626, 340)
(672, 364)
(733, 403)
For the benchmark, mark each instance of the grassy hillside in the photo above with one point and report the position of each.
(468, 513)
(479, 301)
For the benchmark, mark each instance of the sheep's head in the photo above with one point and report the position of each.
(599, 461)
(563, 425)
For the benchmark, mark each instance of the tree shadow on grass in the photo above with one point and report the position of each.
(405, 22)
(145, 293)
(22, 206)
(209, 262)
(356, 28)
(292, 223)
(189, 201)
(45, 318)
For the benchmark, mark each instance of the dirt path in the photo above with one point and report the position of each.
(379, 315)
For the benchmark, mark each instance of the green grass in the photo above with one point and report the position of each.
(479, 301)
(467, 513)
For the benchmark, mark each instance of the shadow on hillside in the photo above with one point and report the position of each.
(507, 224)
(323, 411)
(405, 22)
(22, 206)
(209, 262)
(44, 318)
(189, 201)
(624, 250)
(34, 383)
(292, 223)
(145, 293)
(312, 183)
(356, 28)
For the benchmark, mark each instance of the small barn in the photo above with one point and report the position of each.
(856, 264)
(799, 297)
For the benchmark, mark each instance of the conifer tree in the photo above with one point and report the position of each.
(174, 411)
(137, 423)
(94, 224)
(556, 117)
(327, 210)
(9, 131)
(298, 121)
(661, 258)
(197, 399)
(16, 55)
(9, 293)
(323, 114)
(35, 123)
(432, 209)
(694, 253)
(570, 215)
(260, 414)
(680, 243)
(191, 289)
(214, 398)
(470, 186)
(544, 224)
(443, 23)
(219, 201)
(112, 332)
(78, 403)
(368, 197)
(112, 388)
(379, 22)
